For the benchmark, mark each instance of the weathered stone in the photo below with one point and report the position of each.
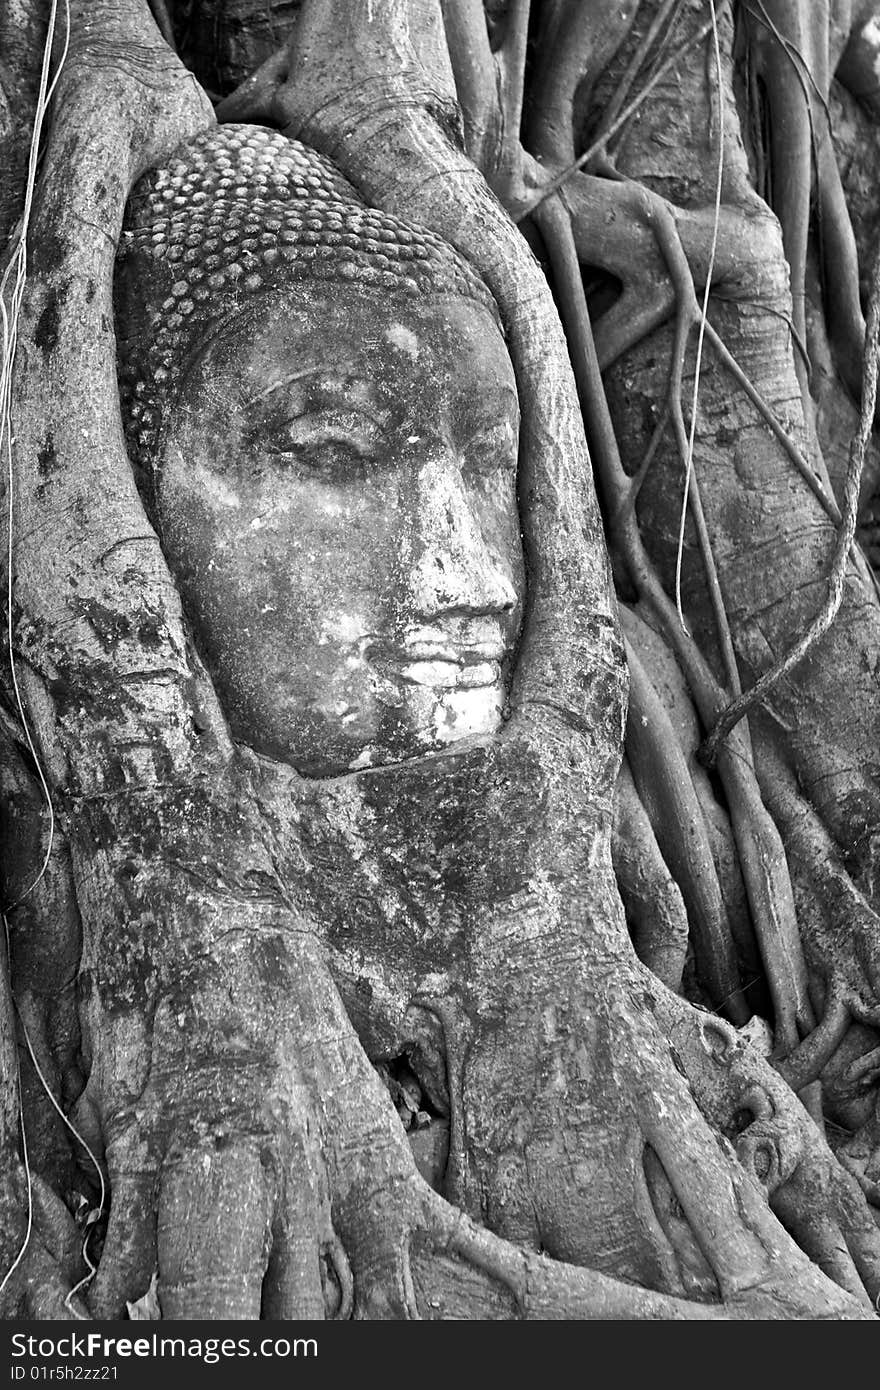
(331, 463)
(176, 213)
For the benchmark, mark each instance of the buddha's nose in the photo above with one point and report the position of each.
(453, 567)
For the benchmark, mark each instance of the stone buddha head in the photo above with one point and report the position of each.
(323, 418)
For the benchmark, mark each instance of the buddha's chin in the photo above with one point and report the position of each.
(464, 711)
(442, 717)
(424, 720)
(413, 719)
(433, 719)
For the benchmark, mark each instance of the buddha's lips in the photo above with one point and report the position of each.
(445, 664)
(442, 674)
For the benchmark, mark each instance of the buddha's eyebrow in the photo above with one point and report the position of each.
(488, 407)
(497, 399)
(285, 381)
(338, 383)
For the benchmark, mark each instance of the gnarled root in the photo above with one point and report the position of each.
(779, 1145)
(41, 1250)
(261, 1168)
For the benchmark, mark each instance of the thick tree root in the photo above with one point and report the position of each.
(256, 1162)
(778, 1142)
(43, 1264)
(230, 1201)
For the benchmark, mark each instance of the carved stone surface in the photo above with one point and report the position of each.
(332, 470)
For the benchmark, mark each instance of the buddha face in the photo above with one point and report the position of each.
(337, 501)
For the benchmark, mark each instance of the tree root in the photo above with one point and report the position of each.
(667, 679)
(251, 1145)
(777, 1141)
(843, 542)
(738, 793)
(760, 847)
(795, 50)
(840, 929)
(664, 784)
(655, 909)
(193, 1199)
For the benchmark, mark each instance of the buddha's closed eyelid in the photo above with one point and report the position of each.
(330, 446)
(314, 431)
(492, 446)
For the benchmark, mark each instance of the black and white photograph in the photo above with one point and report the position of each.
(440, 691)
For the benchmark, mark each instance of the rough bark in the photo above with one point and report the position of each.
(246, 942)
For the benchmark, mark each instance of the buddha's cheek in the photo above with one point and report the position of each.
(315, 575)
(334, 691)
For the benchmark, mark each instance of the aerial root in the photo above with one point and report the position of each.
(334, 1253)
(654, 905)
(659, 32)
(759, 844)
(805, 1063)
(664, 783)
(688, 316)
(865, 1070)
(843, 543)
(839, 926)
(791, 50)
(596, 150)
(761, 856)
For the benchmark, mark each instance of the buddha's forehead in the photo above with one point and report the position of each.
(340, 323)
(236, 213)
(363, 347)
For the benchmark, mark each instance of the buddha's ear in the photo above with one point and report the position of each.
(395, 150)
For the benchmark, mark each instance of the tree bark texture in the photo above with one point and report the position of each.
(632, 989)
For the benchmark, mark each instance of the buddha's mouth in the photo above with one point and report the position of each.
(449, 674)
(427, 657)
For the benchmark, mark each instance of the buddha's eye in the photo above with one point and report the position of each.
(492, 449)
(333, 449)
